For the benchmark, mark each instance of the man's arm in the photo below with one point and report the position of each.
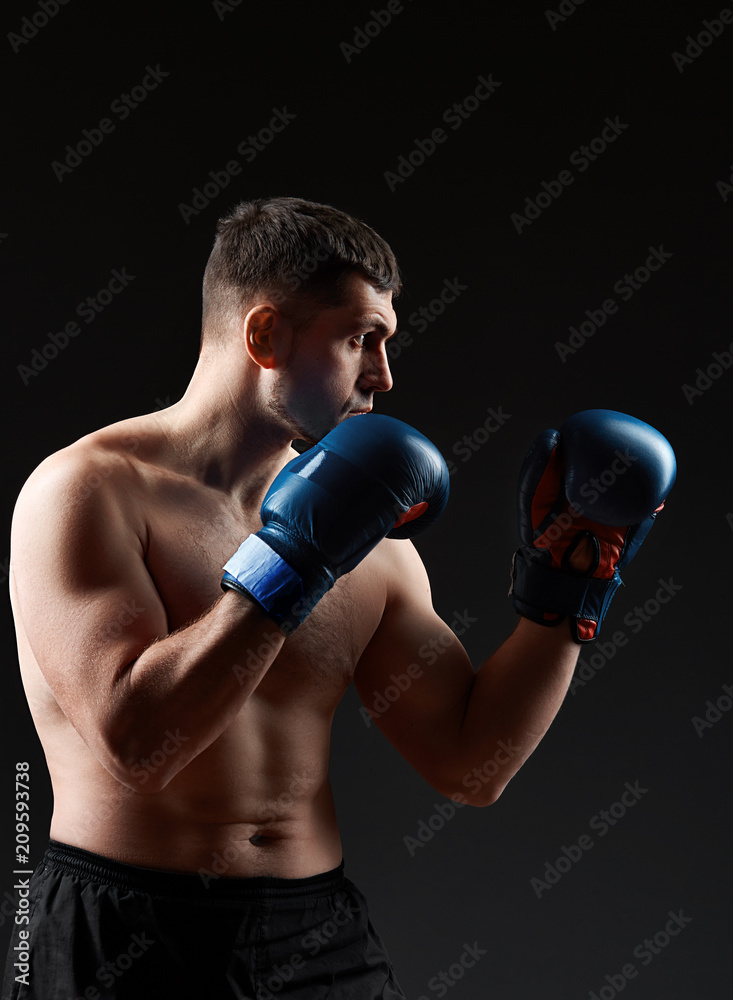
(472, 732)
(465, 732)
(77, 563)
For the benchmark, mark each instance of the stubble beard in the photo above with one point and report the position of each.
(298, 431)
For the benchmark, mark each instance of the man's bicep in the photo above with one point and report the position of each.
(415, 677)
(81, 590)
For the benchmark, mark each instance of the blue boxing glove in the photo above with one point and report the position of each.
(370, 477)
(604, 477)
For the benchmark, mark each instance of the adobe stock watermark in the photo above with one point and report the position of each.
(95, 479)
(722, 361)
(301, 785)
(303, 272)
(291, 282)
(429, 653)
(256, 659)
(645, 952)
(703, 40)
(12, 904)
(426, 829)
(224, 7)
(248, 149)
(371, 29)
(582, 157)
(308, 267)
(122, 107)
(148, 766)
(312, 942)
(422, 317)
(473, 781)
(442, 981)
(481, 775)
(124, 615)
(592, 491)
(635, 620)
(601, 823)
(88, 310)
(566, 9)
(108, 974)
(714, 711)
(467, 446)
(455, 116)
(625, 288)
(30, 26)
(725, 188)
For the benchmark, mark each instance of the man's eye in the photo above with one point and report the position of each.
(360, 339)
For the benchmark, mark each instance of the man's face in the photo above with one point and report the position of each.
(337, 364)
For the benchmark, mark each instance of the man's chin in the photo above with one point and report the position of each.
(312, 436)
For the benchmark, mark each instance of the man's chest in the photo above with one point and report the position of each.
(187, 549)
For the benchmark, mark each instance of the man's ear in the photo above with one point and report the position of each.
(267, 336)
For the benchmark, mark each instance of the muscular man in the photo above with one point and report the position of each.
(184, 724)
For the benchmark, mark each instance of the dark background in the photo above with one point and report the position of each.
(657, 184)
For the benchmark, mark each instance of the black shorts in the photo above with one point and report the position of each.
(99, 929)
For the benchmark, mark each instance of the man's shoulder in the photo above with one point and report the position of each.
(97, 465)
(402, 570)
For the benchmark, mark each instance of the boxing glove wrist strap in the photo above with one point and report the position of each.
(547, 595)
(260, 573)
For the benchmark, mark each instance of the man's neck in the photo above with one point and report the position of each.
(218, 433)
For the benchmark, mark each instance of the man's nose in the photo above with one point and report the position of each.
(377, 376)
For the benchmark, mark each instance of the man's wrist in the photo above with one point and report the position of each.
(260, 573)
(547, 595)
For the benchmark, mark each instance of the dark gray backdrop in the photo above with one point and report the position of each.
(357, 96)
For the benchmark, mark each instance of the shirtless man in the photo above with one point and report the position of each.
(180, 725)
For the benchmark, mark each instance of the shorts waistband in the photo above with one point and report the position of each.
(206, 884)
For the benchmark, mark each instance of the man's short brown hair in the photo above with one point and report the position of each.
(298, 252)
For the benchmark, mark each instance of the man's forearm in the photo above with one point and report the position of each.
(190, 684)
(515, 696)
